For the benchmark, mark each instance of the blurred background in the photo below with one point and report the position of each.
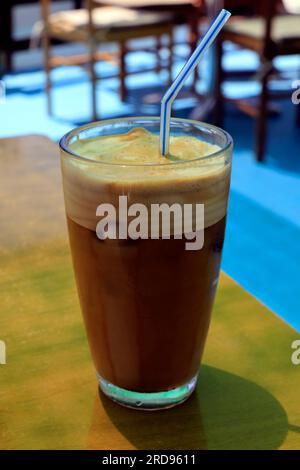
(64, 63)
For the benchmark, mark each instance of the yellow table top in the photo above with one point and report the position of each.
(248, 392)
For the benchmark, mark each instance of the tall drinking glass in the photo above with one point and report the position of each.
(146, 300)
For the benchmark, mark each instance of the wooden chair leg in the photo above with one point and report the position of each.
(46, 43)
(2, 64)
(93, 77)
(193, 44)
(261, 124)
(92, 50)
(158, 47)
(47, 65)
(8, 67)
(6, 28)
(123, 88)
(48, 92)
(170, 58)
(218, 113)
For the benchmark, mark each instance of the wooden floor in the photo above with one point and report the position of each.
(248, 391)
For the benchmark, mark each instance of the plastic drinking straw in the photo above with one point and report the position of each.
(172, 92)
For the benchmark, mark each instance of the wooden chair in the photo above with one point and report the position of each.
(269, 35)
(97, 25)
(9, 44)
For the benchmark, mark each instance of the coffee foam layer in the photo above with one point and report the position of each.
(148, 177)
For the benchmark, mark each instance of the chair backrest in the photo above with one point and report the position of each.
(46, 7)
(265, 8)
(46, 11)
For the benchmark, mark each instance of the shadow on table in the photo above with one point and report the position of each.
(225, 412)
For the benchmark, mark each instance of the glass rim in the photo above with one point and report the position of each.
(64, 141)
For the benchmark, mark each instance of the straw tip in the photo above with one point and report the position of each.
(226, 12)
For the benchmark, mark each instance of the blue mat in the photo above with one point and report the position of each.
(262, 248)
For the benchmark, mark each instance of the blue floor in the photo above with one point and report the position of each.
(262, 249)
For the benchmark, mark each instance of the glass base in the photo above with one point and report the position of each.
(147, 401)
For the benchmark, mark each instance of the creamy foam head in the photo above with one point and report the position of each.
(130, 164)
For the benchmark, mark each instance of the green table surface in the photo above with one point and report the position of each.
(248, 391)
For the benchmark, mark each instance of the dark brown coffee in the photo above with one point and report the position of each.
(146, 305)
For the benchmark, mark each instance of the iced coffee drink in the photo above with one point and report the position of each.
(146, 301)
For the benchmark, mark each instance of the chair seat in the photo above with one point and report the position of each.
(249, 32)
(72, 25)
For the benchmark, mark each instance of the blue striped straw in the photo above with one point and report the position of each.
(172, 92)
